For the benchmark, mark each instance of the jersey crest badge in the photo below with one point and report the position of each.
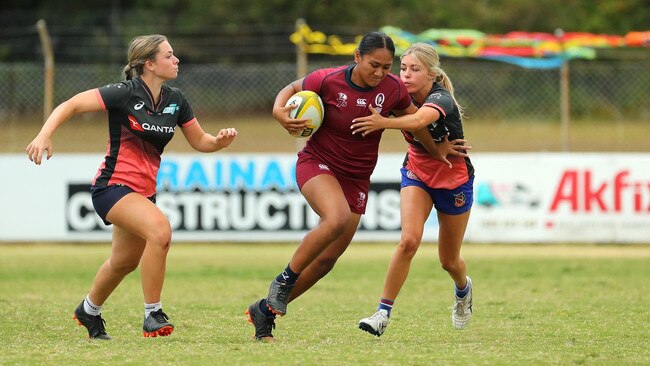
(361, 201)
(459, 199)
(341, 100)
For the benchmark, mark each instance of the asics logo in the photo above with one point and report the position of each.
(138, 106)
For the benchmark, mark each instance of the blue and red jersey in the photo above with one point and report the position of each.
(432, 172)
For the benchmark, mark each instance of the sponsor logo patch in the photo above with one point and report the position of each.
(171, 109)
(412, 175)
(135, 125)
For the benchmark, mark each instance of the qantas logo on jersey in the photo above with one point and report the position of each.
(136, 126)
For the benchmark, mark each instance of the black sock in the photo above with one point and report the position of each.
(265, 309)
(288, 276)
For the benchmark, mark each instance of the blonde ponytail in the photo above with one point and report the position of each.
(443, 79)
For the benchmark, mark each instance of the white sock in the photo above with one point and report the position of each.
(91, 308)
(150, 308)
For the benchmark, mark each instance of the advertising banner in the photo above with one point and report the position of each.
(518, 197)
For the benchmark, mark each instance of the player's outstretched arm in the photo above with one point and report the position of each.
(205, 142)
(86, 101)
(408, 122)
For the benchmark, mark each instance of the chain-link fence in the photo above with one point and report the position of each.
(499, 98)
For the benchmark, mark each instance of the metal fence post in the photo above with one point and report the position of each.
(301, 65)
(46, 45)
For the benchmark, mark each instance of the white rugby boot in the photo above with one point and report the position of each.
(461, 313)
(375, 324)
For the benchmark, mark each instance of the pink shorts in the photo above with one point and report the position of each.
(355, 190)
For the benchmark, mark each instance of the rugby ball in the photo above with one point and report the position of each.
(310, 107)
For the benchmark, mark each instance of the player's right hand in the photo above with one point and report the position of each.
(38, 147)
(294, 126)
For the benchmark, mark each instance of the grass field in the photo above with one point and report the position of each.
(534, 305)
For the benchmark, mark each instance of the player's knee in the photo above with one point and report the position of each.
(336, 224)
(160, 236)
(408, 245)
(450, 264)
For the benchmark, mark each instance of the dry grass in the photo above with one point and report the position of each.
(263, 134)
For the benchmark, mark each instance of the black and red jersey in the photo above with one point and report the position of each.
(346, 154)
(139, 130)
(435, 173)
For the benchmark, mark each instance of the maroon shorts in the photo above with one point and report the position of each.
(355, 190)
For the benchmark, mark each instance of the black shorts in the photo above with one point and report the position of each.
(105, 197)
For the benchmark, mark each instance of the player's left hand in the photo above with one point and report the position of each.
(225, 137)
(38, 147)
(454, 147)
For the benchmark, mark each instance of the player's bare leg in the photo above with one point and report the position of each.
(450, 239)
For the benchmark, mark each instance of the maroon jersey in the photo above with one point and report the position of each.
(139, 130)
(346, 154)
(432, 172)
